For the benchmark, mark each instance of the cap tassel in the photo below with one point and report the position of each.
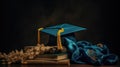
(39, 35)
(59, 44)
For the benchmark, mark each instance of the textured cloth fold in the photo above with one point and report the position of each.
(84, 52)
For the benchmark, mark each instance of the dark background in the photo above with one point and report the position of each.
(22, 18)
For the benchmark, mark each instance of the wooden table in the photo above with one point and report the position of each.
(49, 65)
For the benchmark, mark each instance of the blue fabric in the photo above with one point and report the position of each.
(84, 52)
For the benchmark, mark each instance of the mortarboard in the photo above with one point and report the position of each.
(69, 31)
(68, 28)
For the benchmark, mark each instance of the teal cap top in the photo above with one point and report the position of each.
(68, 28)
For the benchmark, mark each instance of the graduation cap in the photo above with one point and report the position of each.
(68, 28)
(68, 32)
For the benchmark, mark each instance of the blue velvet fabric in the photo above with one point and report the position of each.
(84, 52)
